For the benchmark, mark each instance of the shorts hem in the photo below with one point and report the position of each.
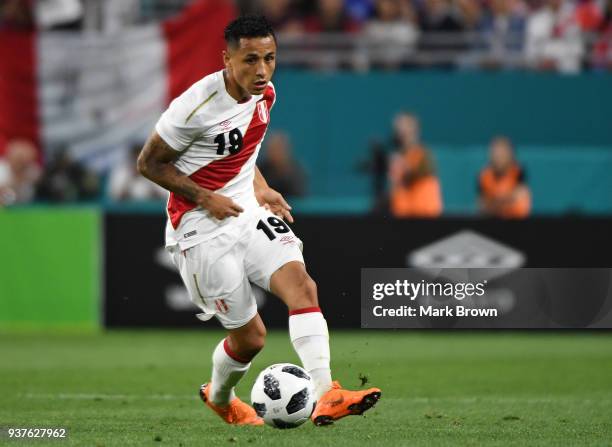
(278, 265)
(235, 324)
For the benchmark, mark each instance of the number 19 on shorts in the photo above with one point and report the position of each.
(271, 226)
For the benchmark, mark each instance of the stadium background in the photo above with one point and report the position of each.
(84, 82)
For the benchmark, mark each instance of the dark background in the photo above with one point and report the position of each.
(335, 249)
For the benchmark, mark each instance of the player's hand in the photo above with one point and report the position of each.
(219, 206)
(274, 201)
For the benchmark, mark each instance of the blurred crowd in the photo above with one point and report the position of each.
(406, 184)
(563, 35)
(405, 181)
(62, 179)
(41, 14)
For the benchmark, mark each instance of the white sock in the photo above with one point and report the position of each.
(226, 373)
(310, 339)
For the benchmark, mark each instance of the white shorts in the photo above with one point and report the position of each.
(218, 272)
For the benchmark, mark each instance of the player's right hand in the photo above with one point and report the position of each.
(219, 206)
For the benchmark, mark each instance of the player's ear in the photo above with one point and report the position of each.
(226, 57)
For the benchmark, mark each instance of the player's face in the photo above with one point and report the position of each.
(252, 63)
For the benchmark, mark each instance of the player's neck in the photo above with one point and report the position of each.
(233, 89)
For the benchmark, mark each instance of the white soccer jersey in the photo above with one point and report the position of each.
(219, 139)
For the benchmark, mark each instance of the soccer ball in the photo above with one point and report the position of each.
(283, 395)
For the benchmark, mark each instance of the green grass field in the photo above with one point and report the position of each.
(486, 388)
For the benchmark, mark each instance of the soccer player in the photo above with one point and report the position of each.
(225, 225)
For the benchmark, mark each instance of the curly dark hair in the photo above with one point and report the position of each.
(248, 26)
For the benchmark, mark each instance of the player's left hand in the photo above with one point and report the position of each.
(274, 201)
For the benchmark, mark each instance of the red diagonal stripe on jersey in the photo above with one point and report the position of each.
(218, 173)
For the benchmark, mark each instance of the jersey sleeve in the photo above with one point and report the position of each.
(179, 126)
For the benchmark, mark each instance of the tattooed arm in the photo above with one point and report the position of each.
(156, 162)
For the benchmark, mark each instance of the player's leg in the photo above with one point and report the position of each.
(216, 283)
(232, 359)
(309, 335)
(274, 261)
(237, 312)
(307, 327)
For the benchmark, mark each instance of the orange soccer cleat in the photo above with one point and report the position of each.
(237, 412)
(338, 402)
